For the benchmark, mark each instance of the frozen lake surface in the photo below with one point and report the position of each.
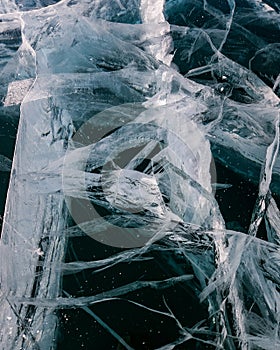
(140, 140)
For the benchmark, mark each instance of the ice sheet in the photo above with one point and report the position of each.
(124, 109)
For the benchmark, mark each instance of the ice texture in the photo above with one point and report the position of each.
(111, 223)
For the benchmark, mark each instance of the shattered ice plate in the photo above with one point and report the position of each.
(142, 210)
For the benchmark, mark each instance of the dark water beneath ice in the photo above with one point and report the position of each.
(8, 130)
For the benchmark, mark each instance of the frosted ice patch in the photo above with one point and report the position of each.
(5, 163)
(17, 90)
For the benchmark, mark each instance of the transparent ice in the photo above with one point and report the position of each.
(122, 106)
